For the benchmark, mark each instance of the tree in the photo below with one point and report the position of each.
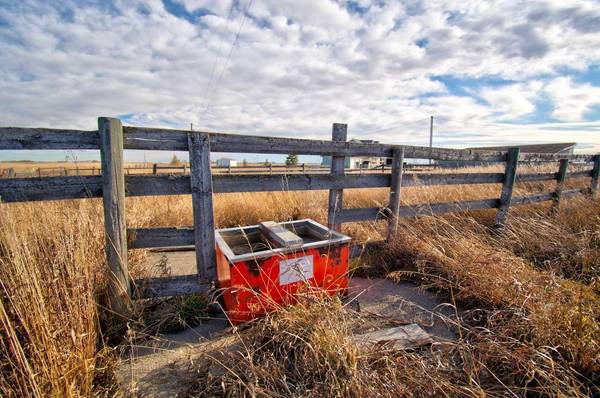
(175, 160)
(291, 160)
(267, 163)
(245, 162)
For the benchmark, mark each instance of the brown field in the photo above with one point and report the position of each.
(529, 298)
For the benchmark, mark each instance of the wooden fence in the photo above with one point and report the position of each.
(157, 168)
(113, 185)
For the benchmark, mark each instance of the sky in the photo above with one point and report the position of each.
(490, 72)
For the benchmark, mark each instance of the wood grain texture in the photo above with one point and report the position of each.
(202, 203)
(510, 175)
(78, 187)
(375, 213)
(595, 185)
(142, 238)
(43, 138)
(561, 177)
(336, 196)
(145, 138)
(170, 286)
(113, 199)
(50, 188)
(395, 191)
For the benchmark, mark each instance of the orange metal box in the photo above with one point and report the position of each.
(257, 273)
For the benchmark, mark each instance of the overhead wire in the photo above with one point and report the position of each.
(217, 57)
(226, 64)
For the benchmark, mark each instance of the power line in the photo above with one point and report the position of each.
(218, 56)
(233, 44)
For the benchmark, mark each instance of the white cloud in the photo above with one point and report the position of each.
(299, 66)
(572, 100)
(514, 100)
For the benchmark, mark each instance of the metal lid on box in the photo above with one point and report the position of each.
(270, 238)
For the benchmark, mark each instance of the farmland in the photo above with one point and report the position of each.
(529, 299)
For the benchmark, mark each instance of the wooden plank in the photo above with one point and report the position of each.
(430, 179)
(336, 196)
(595, 185)
(43, 138)
(170, 286)
(540, 197)
(376, 213)
(510, 174)
(144, 138)
(204, 224)
(580, 174)
(531, 177)
(280, 235)
(50, 188)
(395, 191)
(398, 338)
(563, 170)
(167, 139)
(113, 189)
(549, 157)
(54, 188)
(141, 238)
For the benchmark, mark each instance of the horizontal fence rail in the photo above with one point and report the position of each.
(80, 187)
(115, 181)
(143, 138)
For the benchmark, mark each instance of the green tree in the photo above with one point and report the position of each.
(175, 160)
(291, 160)
(245, 162)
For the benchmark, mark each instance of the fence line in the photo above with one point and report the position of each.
(115, 182)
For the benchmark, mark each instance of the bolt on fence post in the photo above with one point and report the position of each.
(596, 177)
(395, 191)
(510, 175)
(561, 177)
(336, 196)
(113, 193)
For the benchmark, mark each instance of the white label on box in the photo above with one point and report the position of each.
(295, 269)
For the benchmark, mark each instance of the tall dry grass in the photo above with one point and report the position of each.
(52, 278)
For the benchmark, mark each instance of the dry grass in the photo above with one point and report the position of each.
(535, 328)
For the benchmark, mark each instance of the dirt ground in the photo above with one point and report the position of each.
(157, 366)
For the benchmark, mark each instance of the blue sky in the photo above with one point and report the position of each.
(491, 73)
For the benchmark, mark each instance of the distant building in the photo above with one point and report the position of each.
(357, 162)
(563, 148)
(226, 162)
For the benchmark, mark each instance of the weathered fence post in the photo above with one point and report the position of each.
(563, 169)
(510, 175)
(596, 177)
(154, 168)
(204, 225)
(338, 134)
(395, 191)
(113, 193)
(11, 173)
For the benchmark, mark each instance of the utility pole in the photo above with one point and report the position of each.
(430, 136)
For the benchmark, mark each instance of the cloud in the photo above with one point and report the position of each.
(512, 101)
(293, 68)
(572, 100)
